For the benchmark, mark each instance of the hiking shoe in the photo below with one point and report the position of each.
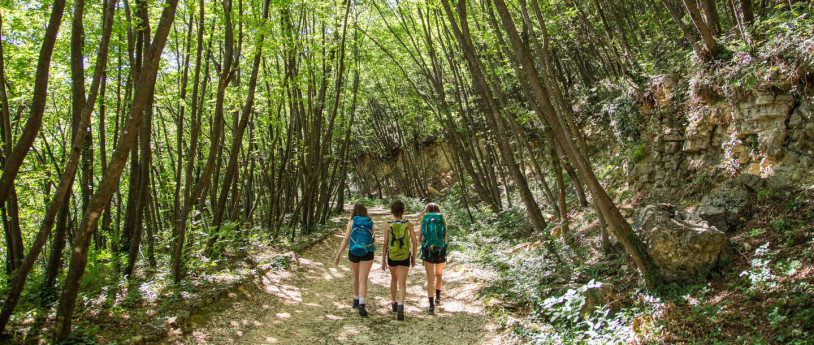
(400, 315)
(437, 300)
(362, 310)
(431, 310)
(355, 303)
(395, 306)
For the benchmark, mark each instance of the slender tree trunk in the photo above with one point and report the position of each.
(494, 119)
(707, 34)
(110, 179)
(39, 96)
(179, 229)
(577, 182)
(688, 34)
(77, 105)
(106, 218)
(747, 12)
(66, 179)
(140, 198)
(565, 230)
(11, 218)
(564, 136)
(711, 16)
(237, 140)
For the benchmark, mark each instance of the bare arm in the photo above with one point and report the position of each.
(384, 251)
(344, 241)
(421, 222)
(446, 232)
(411, 228)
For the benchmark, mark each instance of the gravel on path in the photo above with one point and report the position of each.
(310, 303)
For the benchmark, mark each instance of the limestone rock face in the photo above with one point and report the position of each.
(765, 133)
(725, 207)
(683, 246)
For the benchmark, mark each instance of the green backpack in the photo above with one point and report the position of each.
(434, 232)
(399, 247)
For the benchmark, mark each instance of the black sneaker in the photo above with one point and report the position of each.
(362, 310)
(355, 303)
(395, 306)
(431, 310)
(400, 315)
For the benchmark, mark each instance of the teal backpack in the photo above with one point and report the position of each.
(434, 232)
(361, 236)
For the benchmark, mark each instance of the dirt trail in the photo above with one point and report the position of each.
(310, 302)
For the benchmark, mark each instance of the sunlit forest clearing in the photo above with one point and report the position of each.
(632, 172)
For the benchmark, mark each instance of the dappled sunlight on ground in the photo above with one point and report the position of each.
(310, 302)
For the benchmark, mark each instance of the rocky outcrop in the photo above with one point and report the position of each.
(764, 134)
(728, 205)
(599, 295)
(683, 246)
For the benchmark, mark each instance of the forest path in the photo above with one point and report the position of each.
(310, 302)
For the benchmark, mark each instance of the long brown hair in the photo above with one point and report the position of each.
(432, 208)
(359, 210)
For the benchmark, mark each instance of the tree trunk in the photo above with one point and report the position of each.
(688, 34)
(564, 136)
(110, 179)
(39, 96)
(11, 218)
(747, 12)
(493, 117)
(707, 34)
(711, 16)
(179, 228)
(66, 179)
(144, 153)
(237, 139)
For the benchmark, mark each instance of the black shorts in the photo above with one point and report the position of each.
(433, 258)
(356, 259)
(405, 262)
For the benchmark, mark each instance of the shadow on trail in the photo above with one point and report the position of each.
(311, 303)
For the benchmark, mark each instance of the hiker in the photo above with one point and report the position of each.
(433, 238)
(399, 255)
(359, 234)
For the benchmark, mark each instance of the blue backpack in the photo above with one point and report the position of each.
(361, 236)
(434, 232)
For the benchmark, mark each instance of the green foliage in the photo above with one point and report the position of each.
(601, 326)
(85, 336)
(760, 274)
(411, 204)
(568, 307)
(795, 310)
(755, 232)
(637, 153)
(363, 200)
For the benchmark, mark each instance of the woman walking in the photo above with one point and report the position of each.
(433, 240)
(399, 255)
(359, 233)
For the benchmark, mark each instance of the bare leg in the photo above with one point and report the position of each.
(402, 274)
(394, 278)
(439, 276)
(355, 268)
(430, 269)
(364, 271)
